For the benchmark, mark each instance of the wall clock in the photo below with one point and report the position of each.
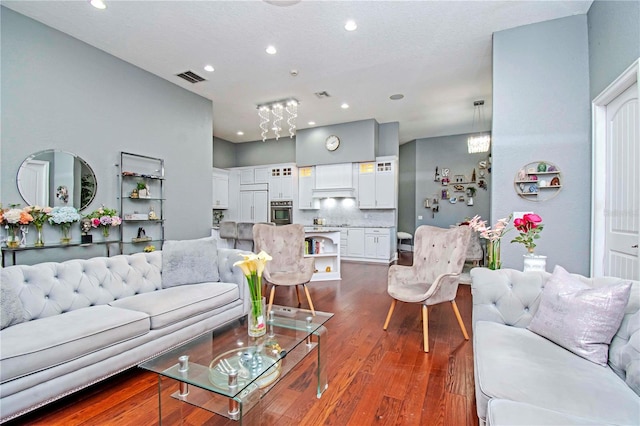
(332, 142)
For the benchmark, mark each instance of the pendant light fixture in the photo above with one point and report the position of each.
(478, 142)
(272, 115)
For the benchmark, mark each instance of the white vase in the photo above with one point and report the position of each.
(534, 262)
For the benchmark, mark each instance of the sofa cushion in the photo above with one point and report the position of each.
(189, 262)
(172, 305)
(11, 311)
(505, 412)
(516, 364)
(578, 317)
(40, 344)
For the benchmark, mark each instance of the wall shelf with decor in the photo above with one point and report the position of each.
(141, 202)
(538, 181)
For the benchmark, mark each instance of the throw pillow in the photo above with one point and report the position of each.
(11, 311)
(580, 318)
(189, 262)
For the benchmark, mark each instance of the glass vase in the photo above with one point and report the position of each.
(65, 229)
(493, 251)
(257, 320)
(39, 236)
(13, 236)
(105, 231)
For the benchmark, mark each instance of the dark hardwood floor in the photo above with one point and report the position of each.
(375, 376)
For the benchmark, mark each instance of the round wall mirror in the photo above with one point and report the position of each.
(56, 178)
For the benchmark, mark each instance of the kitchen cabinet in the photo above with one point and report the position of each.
(306, 185)
(355, 242)
(281, 182)
(377, 243)
(220, 189)
(334, 176)
(251, 175)
(368, 244)
(254, 206)
(377, 184)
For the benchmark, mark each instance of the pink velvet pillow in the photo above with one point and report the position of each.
(580, 318)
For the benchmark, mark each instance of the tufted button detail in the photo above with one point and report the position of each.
(47, 296)
(493, 304)
(526, 309)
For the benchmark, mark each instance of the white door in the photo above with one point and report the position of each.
(622, 203)
(33, 182)
(615, 222)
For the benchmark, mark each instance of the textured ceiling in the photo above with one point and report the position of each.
(436, 53)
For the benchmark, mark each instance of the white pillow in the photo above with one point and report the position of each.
(580, 318)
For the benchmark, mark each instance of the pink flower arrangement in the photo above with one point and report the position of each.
(105, 218)
(486, 232)
(529, 226)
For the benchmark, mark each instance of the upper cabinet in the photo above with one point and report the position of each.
(306, 185)
(253, 175)
(281, 182)
(377, 184)
(220, 189)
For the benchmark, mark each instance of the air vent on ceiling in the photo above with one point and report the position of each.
(322, 95)
(190, 76)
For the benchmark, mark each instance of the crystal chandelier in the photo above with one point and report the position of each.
(479, 142)
(272, 115)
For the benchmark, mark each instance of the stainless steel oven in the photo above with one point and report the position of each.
(281, 212)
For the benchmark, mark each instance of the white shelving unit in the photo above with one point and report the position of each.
(326, 252)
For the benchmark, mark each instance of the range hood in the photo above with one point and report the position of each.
(334, 193)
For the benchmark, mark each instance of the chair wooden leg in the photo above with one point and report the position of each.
(393, 306)
(425, 327)
(306, 290)
(273, 293)
(457, 312)
(298, 294)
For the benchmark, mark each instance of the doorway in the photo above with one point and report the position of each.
(616, 178)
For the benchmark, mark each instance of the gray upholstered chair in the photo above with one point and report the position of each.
(229, 231)
(245, 236)
(438, 258)
(289, 267)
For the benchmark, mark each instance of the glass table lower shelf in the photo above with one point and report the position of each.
(227, 372)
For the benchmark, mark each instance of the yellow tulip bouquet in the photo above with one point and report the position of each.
(252, 267)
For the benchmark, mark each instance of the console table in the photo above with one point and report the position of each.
(14, 250)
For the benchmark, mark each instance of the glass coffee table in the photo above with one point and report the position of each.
(227, 372)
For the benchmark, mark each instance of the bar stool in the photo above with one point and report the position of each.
(404, 236)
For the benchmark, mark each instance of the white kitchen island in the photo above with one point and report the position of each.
(323, 245)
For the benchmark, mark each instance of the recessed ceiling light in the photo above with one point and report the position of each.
(396, 97)
(98, 4)
(350, 25)
(271, 50)
(240, 133)
(344, 105)
(208, 68)
(312, 123)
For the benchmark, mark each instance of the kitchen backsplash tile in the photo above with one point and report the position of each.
(344, 211)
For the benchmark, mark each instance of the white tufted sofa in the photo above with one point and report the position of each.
(85, 320)
(522, 378)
